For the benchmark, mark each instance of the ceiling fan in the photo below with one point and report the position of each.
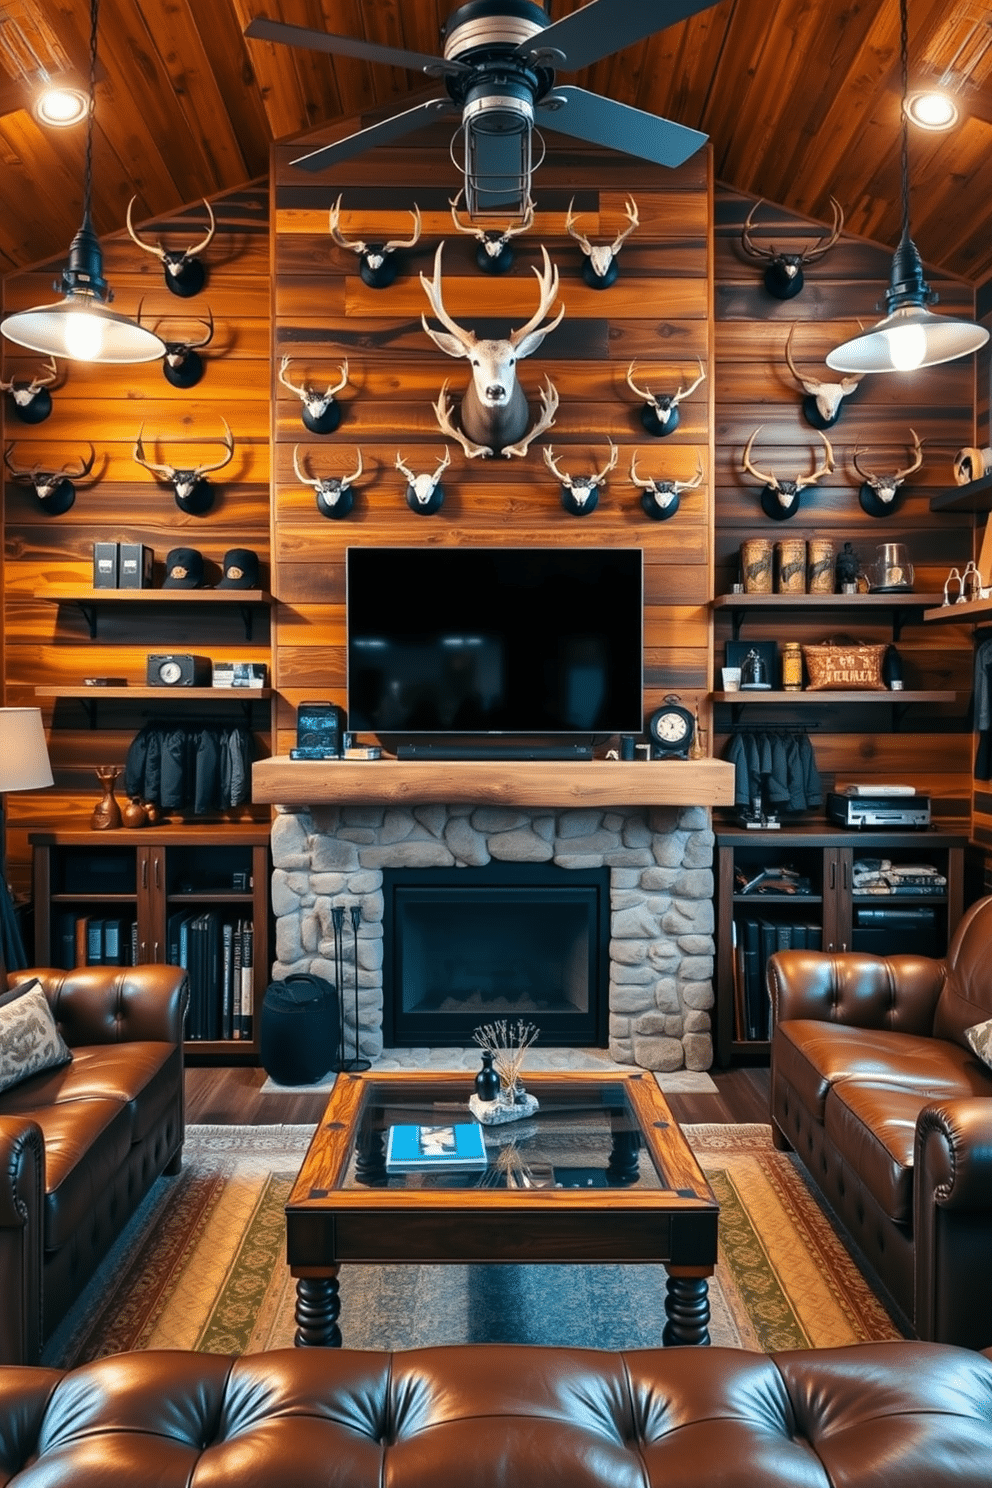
(498, 67)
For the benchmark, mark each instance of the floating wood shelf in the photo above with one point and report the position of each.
(903, 605)
(97, 694)
(976, 611)
(976, 496)
(823, 697)
(89, 600)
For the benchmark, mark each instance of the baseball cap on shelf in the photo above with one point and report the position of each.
(183, 569)
(240, 570)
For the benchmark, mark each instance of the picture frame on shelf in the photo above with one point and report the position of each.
(736, 651)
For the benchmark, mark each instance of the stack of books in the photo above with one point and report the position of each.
(455, 1148)
(219, 957)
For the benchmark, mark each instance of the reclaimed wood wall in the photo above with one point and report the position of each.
(48, 643)
(278, 286)
(925, 744)
(657, 312)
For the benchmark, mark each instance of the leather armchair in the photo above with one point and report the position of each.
(876, 1088)
(81, 1145)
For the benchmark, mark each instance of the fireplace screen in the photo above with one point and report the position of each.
(511, 940)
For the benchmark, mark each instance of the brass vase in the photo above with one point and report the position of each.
(106, 813)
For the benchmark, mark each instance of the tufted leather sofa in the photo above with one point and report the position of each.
(876, 1088)
(81, 1145)
(902, 1415)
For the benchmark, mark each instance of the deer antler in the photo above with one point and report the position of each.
(552, 464)
(303, 391)
(157, 249)
(677, 397)
(306, 480)
(443, 465)
(85, 466)
(38, 381)
(548, 280)
(900, 475)
(822, 244)
(597, 480)
(405, 469)
(432, 289)
(645, 393)
(334, 217)
(769, 479)
(747, 244)
(19, 475)
(572, 231)
(228, 456)
(803, 481)
(139, 455)
(395, 243)
(191, 345)
(634, 221)
(677, 486)
(813, 385)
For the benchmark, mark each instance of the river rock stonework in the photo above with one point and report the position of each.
(661, 888)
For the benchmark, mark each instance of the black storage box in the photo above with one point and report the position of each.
(298, 1042)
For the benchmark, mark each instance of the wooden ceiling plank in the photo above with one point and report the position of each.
(226, 51)
(274, 73)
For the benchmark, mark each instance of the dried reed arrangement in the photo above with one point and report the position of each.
(507, 1042)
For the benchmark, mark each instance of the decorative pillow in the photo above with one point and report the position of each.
(845, 668)
(29, 1038)
(980, 1038)
(13, 993)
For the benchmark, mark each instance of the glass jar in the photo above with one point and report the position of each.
(792, 666)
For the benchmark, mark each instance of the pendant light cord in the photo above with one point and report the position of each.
(904, 57)
(91, 110)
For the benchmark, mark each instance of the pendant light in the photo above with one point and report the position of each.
(909, 336)
(81, 326)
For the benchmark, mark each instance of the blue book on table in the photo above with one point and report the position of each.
(453, 1148)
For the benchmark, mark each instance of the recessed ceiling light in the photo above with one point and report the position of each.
(61, 106)
(932, 110)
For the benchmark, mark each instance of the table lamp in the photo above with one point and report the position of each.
(24, 765)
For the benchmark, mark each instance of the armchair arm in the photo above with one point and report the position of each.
(894, 992)
(115, 1004)
(952, 1221)
(22, 1223)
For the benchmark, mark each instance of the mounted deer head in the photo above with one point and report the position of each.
(494, 411)
(189, 485)
(660, 414)
(320, 413)
(378, 264)
(334, 494)
(494, 254)
(784, 274)
(185, 274)
(661, 497)
(580, 493)
(600, 267)
(822, 404)
(424, 494)
(55, 489)
(780, 499)
(878, 493)
(32, 401)
(182, 365)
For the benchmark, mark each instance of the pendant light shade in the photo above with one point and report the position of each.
(909, 336)
(81, 326)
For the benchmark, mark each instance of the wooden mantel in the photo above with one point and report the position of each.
(285, 782)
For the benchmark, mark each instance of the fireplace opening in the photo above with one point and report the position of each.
(464, 946)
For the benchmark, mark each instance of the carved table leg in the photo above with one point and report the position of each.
(687, 1307)
(317, 1308)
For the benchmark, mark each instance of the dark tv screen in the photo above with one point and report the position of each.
(472, 641)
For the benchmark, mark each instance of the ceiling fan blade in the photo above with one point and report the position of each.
(607, 26)
(377, 134)
(262, 29)
(603, 121)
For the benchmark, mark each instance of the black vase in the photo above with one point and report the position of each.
(487, 1080)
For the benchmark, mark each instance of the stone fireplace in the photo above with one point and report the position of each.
(659, 860)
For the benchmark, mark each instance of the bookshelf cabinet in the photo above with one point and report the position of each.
(143, 883)
(840, 918)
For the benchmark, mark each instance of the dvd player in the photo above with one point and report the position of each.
(493, 751)
(878, 811)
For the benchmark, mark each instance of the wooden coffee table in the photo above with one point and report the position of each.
(615, 1182)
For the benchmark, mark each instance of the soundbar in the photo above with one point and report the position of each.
(441, 751)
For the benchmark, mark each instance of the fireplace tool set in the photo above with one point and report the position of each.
(346, 1066)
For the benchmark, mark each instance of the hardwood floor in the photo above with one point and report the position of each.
(230, 1095)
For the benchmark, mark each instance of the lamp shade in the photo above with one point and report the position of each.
(82, 329)
(910, 337)
(24, 763)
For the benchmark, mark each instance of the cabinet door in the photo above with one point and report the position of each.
(151, 903)
(837, 904)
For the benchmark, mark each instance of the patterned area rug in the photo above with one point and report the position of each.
(202, 1266)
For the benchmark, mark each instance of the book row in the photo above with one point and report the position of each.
(754, 941)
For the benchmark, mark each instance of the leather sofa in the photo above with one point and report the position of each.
(875, 1087)
(906, 1415)
(81, 1145)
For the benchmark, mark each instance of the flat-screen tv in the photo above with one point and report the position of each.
(470, 641)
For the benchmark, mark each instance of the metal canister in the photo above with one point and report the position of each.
(792, 666)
